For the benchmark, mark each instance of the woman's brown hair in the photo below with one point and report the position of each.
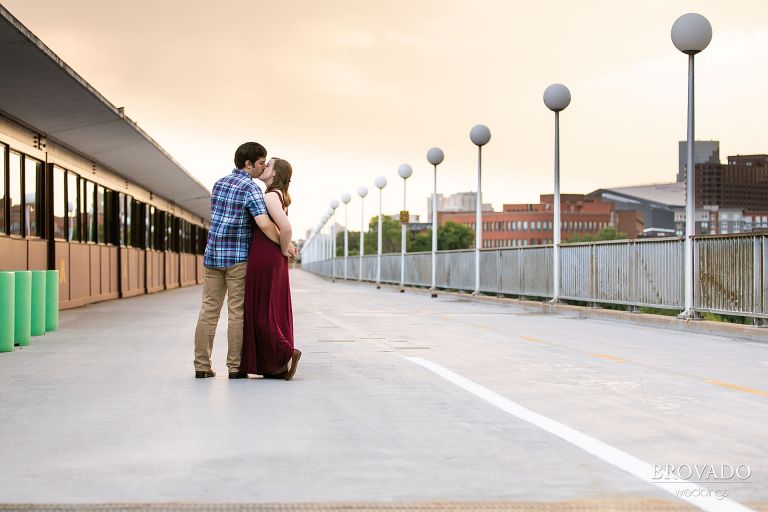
(282, 179)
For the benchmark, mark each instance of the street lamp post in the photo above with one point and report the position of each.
(326, 240)
(315, 251)
(556, 97)
(380, 183)
(404, 171)
(480, 135)
(435, 156)
(362, 192)
(323, 239)
(332, 211)
(691, 33)
(346, 198)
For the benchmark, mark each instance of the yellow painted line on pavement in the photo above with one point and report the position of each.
(531, 339)
(610, 358)
(736, 387)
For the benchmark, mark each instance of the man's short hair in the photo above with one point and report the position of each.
(249, 151)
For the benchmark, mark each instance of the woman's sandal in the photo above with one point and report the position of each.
(294, 363)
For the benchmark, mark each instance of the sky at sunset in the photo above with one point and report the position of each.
(349, 90)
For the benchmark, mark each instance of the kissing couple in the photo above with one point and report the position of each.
(246, 258)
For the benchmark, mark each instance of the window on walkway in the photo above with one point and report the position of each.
(89, 214)
(173, 233)
(202, 240)
(128, 220)
(73, 207)
(3, 206)
(111, 227)
(149, 219)
(122, 233)
(100, 210)
(192, 239)
(186, 236)
(33, 198)
(112, 219)
(124, 215)
(158, 225)
(14, 191)
(138, 229)
(59, 203)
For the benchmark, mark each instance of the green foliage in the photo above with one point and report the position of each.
(450, 236)
(731, 319)
(390, 235)
(419, 241)
(659, 311)
(609, 233)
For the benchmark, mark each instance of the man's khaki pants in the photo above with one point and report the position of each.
(218, 282)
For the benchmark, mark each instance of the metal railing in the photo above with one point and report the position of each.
(731, 272)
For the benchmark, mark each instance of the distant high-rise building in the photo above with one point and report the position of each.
(742, 183)
(459, 202)
(704, 151)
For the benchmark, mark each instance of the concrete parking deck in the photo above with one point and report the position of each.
(398, 398)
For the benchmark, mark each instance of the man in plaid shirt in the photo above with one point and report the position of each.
(235, 200)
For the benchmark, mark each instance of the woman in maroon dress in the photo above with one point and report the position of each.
(268, 323)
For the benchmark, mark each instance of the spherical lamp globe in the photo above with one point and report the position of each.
(362, 191)
(557, 97)
(691, 33)
(405, 171)
(435, 156)
(380, 182)
(346, 198)
(480, 135)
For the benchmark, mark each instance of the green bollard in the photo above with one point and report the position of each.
(51, 300)
(7, 298)
(22, 330)
(37, 317)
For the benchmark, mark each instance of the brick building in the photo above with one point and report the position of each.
(531, 224)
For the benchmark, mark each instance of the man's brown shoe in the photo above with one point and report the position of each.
(204, 374)
(294, 363)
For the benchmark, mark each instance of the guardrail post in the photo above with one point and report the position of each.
(758, 277)
(764, 268)
(520, 286)
(498, 273)
(633, 271)
(592, 274)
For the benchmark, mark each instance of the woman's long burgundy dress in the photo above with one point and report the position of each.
(268, 322)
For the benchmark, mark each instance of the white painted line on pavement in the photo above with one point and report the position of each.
(703, 498)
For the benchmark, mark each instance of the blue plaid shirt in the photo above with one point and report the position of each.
(234, 201)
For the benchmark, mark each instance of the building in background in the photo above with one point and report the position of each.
(656, 205)
(459, 202)
(414, 222)
(532, 224)
(730, 197)
(741, 183)
(704, 151)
